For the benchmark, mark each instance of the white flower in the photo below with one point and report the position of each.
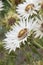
(27, 8)
(1, 5)
(39, 28)
(19, 33)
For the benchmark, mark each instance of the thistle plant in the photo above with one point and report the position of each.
(21, 32)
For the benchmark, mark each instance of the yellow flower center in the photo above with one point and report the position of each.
(23, 33)
(29, 6)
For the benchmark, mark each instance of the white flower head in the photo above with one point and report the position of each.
(28, 8)
(1, 5)
(39, 28)
(18, 34)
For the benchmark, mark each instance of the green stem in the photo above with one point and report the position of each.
(38, 44)
(9, 3)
